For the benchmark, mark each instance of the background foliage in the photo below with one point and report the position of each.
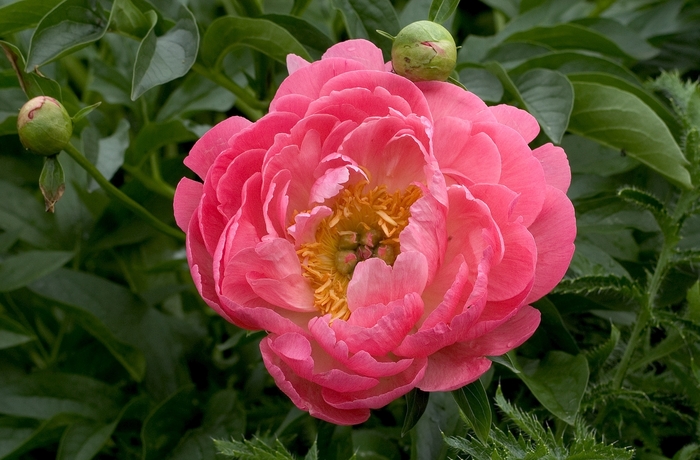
(107, 351)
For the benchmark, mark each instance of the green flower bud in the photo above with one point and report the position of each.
(424, 51)
(44, 126)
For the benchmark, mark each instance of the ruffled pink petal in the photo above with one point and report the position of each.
(389, 149)
(385, 84)
(389, 325)
(305, 224)
(448, 370)
(515, 272)
(520, 171)
(509, 335)
(362, 51)
(382, 394)
(375, 282)
(343, 104)
(556, 168)
(303, 393)
(187, 197)
(521, 121)
(448, 100)
(276, 204)
(295, 63)
(464, 158)
(554, 231)
(308, 81)
(214, 141)
(426, 233)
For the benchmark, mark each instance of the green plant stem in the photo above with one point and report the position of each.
(114, 192)
(154, 185)
(245, 102)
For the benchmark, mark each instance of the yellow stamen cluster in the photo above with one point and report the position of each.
(356, 212)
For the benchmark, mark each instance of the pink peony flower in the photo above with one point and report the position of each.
(387, 235)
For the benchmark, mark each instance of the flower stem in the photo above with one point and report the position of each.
(114, 192)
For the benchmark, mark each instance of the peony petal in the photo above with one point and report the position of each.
(448, 100)
(518, 119)
(509, 335)
(362, 51)
(295, 63)
(187, 197)
(554, 231)
(556, 168)
(426, 233)
(214, 141)
(448, 370)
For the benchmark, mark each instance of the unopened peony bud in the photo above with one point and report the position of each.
(424, 51)
(44, 126)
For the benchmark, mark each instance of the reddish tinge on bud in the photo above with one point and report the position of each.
(44, 126)
(424, 51)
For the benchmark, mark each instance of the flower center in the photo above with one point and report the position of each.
(363, 225)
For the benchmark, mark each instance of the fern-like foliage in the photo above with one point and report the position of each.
(534, 441)
(257, 449)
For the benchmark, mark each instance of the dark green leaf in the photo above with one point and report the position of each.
(549, 96)
(511, 55)
(22, 213)
(589, 157)
(72, 25)
(589, 259)
(167, 57)
(416, 402)
(84, 439)
(47, 394)
(224, 418)
(572, 36)
(612, 80)
(109, 156)
(130, 20)
(315, 41)
(18, 436)
(166, 423)
(440, 419)
(621, 120)
(558, 382)
(506, 361)
(84, 112)
(507, 7)
(625, 38)
(441, 10)
(553, 326)
(114, 309)
(475, 405)
(482, 83)
(23, 14)
(600, 354)
(260, 34)
(20, 270)
(195, 94)
(13, 333)
(364, 17)
(32, 83)
(568, 62)
(154, 136)
(606, 289)
(647, 201)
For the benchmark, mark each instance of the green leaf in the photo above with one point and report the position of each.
(108, 308)
(253, 449)
(589, 259)
(553, 326)
(20, 270)
(84, 112)
(648, 201)
(107, 153)
(260, 34)
(475, 405)
(606, 289)
(441, 418)
(154, 136)
(625, 38)
(507, 361)
(315, 41)
(18, 436)
(572, 36)
(482, 83)
(364, 17)
(621, 120)
(549, 96)
(441, 10)
(589, 157)
(23, 15)
(568, 62)
(225, 417)
(600, 354)
(32, 84)
(47, 394)
(84, 439)
(166, 423)
(195, 94)
(649, 99)
(130, 20)
(21, 212)
(558, 382)
(416, 402)
(13, 333)
(70, 26)
(165, 58)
